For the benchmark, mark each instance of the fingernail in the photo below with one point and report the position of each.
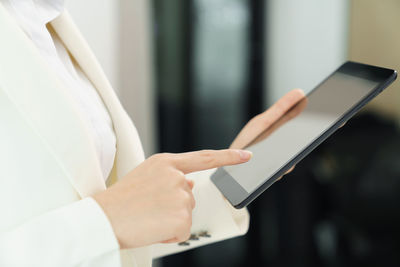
(245, 155)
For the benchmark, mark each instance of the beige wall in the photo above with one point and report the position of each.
(119, 33)
(100, 29)
(375, 39)
(136, 74)
(305, 41)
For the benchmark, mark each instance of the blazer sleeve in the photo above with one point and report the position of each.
(214, 219)
(78, 234)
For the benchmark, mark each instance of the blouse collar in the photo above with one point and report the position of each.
(33, 15)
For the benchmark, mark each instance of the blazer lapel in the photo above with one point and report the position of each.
(46, 105)
(129, 149)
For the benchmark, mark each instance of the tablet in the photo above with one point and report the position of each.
(313, 119)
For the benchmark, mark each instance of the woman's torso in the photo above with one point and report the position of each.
(33, 16)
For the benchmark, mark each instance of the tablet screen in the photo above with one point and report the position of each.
(299, 127)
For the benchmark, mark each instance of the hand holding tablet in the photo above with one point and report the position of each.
(298, 130)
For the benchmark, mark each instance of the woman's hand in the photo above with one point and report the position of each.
(154, 202)
(263, 121)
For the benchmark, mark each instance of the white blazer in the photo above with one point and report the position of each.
(49, 168)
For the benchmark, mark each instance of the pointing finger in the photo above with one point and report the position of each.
(208, 159)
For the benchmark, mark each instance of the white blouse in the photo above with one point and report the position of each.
(32, 16)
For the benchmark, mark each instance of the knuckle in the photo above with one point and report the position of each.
(281, 105)
(186, 236)
(173, 172)
(162, 158)
(167, 156)
(187, 197)
(184, 224)
(186, 217)
(208, 157)
(263, 120)
(256, 119)
(192, 202)
(156, 157)
(179, 177)
(184, 198)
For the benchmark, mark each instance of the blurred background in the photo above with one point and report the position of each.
(191, 73)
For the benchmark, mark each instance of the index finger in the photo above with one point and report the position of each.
(209, 159)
